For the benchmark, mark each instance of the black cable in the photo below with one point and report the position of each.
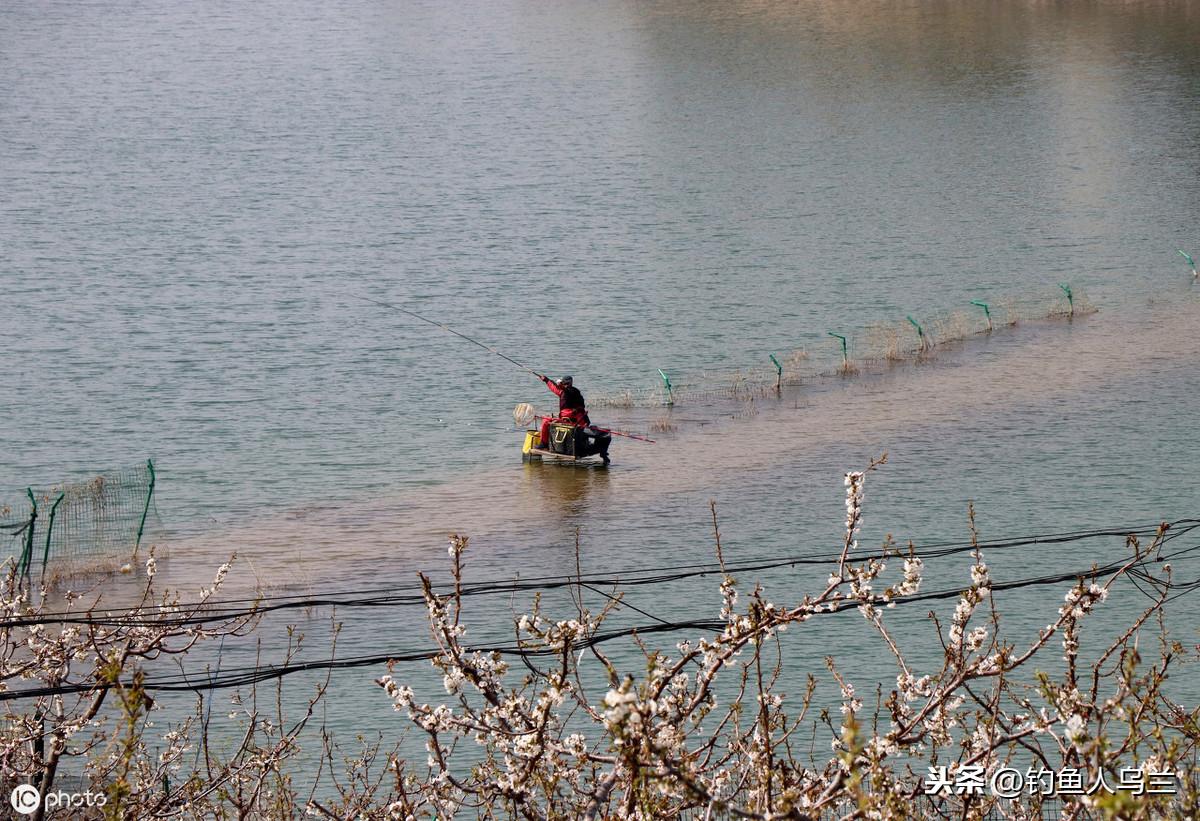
(389, 597)
(253, 675)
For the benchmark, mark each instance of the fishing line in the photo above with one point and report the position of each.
(448, 329)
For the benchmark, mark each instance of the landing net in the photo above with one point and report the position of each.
(523, 414)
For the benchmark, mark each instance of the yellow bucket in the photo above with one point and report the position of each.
(532, 440)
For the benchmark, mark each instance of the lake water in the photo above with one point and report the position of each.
(196, 196)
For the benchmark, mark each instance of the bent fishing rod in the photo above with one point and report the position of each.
(487, 348)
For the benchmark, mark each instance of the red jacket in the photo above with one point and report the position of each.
(570, 402)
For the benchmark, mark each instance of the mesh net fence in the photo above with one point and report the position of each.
(905, 339)
(76, 527)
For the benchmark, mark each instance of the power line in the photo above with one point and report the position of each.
(393, 596)
(238, 677)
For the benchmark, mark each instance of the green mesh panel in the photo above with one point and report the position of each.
(874, 343)
(96, 524)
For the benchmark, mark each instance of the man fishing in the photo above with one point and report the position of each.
(573, 411)
(571, 408)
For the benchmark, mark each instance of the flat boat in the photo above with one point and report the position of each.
(568, 443)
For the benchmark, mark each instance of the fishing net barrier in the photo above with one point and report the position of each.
(1179, 541)
(74, 528)
(842, 354)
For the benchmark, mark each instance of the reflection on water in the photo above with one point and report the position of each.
(568, 490)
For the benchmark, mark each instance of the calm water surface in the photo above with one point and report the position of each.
(194, 195)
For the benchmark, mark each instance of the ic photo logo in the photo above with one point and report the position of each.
(25, 799)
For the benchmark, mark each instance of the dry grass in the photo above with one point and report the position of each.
(885, 342)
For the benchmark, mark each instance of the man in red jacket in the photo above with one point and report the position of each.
(571, 410)
(571, 407)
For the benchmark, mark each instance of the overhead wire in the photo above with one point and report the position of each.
(393, 596)
(237, 677)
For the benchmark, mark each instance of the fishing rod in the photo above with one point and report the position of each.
(449, 330)
(607, 430)
(490, 350)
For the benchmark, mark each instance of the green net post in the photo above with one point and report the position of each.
(1066, 289)
(667, 384)
(778, 373)
(1190, 262)
(987, 312)
(49, 531)
(27, 552)
(145, 510)
(920, 332)
(845, 356)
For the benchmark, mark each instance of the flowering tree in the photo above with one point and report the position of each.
(716, 725)
(660, 745)
(80, 676)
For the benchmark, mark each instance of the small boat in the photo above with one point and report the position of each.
(568, 443)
